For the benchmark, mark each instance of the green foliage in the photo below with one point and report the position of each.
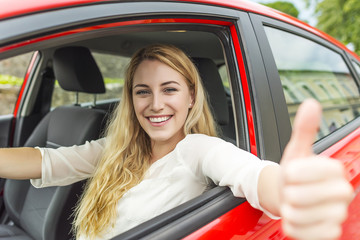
(114, 80)
(285, 7)
(341, 19)
(10, 80)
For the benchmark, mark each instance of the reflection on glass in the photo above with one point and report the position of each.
(308, 69)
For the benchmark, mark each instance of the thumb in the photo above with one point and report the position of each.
(305, 128)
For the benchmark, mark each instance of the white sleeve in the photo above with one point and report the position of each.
(227, 165)
(66, 165)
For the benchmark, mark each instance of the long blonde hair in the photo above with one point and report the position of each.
(127, 150)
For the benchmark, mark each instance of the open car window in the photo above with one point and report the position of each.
(113, 61)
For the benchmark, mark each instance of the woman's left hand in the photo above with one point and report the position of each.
(315, 193)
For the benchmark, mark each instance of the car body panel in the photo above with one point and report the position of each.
(17, 7)
(263, 130)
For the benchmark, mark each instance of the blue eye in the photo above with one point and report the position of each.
(170, 90)
(141, 92)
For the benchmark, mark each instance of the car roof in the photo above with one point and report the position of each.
(15, 8)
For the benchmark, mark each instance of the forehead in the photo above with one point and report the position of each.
(153, 72)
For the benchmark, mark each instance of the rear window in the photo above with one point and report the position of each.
(112, 68)
(12, 74)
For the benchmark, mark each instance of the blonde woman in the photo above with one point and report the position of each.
(161, 150)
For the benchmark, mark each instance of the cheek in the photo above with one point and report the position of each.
(181, 106)
(183, 103)
(138, 106)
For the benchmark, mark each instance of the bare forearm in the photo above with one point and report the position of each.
(269, 189)
(20, 163)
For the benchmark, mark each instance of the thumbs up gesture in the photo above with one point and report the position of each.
(315, 194)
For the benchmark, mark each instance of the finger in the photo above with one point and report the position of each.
(336, 211)
(305, 128)
(305, 195)
(314, 169)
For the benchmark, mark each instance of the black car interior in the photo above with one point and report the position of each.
(45, 213)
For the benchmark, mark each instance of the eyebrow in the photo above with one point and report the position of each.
(169, 82)
(163, 84)
(140, 85)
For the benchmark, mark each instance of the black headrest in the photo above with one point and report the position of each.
(213, 85)
(76, 70)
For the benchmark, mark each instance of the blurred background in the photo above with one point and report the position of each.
(338, 18)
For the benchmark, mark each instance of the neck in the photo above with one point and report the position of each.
(161, 149)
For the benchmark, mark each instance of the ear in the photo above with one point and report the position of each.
(192, 98)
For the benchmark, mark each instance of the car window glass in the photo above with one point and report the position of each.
(310, 70)
(12, 73)
(112, 68)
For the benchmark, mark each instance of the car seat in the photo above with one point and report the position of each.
(45, 214)
(219, 103)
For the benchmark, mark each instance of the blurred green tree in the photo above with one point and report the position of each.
(341, 19)
(285, 7)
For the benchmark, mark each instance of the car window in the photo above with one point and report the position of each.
(112, 68)
(310, 70)
(12, 73)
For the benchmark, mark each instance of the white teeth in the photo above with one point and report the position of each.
(158, 119)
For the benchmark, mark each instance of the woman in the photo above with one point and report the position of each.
(161, 150)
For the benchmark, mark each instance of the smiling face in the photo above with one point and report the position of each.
(162, 100)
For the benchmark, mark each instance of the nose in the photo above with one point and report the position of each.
(157, 103)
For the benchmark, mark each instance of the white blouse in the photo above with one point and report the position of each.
(196, 162)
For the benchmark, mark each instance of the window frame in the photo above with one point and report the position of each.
(353, 61)
(219, 200)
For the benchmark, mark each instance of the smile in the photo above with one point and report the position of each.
(159, 119)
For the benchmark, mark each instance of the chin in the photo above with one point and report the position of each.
(160, 138)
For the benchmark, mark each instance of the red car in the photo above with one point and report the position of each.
(257, 65)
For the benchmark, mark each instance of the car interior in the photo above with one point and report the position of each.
(46, 213)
